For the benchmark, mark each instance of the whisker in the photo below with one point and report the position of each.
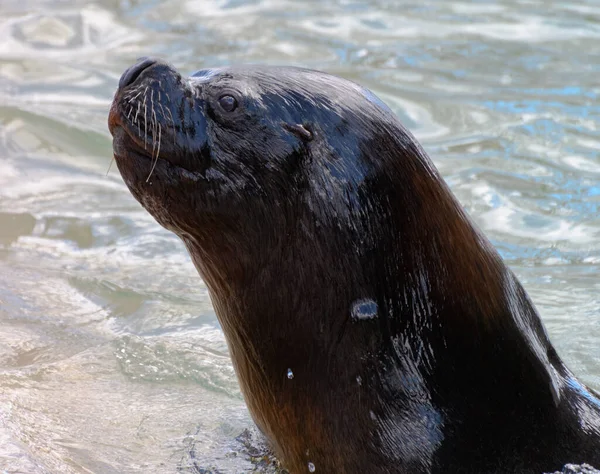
(155, 161)
(145, 119)
(159, 138)
(153, 125)
(138, 111)
(172, 120)
(131, 99)
(164, 116)
(110, 164)
(153, 122)
(168, 109)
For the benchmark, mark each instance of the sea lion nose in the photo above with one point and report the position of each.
(134, 71)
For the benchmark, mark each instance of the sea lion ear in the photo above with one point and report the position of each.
(301, 131)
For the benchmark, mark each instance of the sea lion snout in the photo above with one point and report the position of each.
(160, 114)
(131, 74)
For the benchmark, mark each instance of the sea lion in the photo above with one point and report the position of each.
(373, 328)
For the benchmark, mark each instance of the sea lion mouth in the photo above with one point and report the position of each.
(129, 144)
(124, 142)
(127, 148)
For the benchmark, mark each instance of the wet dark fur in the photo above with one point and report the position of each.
(311, 196)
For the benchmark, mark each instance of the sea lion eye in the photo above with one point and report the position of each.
(228, 103)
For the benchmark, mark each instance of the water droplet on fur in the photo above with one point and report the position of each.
(364, 309)
(311, 467)
(290, 374)
(359, 380)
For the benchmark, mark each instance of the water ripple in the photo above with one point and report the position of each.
(503, 95)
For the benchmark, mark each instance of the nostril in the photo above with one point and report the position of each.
(134, 71)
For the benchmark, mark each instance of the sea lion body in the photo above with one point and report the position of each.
(372, 327)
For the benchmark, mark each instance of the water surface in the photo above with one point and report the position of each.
(111, 358)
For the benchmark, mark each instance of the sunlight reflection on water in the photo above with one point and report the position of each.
(111, 359)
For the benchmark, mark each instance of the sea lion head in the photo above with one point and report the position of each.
(232, 152)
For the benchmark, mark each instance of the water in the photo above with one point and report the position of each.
(111, 359)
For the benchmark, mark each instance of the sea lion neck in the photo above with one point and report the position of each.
(412, 303)
(427, 269)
